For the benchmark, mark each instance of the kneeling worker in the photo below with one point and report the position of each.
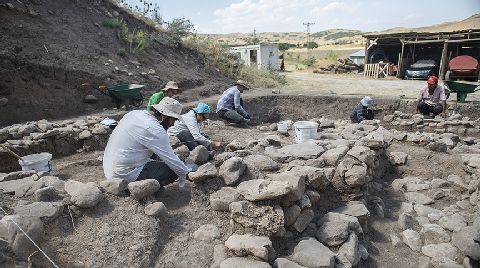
(188, 130)
(363, 110)
(230, 106)
(138, 136)
(431, 99)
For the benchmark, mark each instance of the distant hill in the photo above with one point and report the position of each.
(328, 37)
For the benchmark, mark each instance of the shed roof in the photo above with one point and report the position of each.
(360, 53)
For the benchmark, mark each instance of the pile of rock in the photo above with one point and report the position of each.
(447, 235)
(59, 138)
(417, 122)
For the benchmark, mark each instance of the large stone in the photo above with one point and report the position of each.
(44, 210)
(18, 241)
(349, 252)
(440, 250)
(55, 182)
(286, 263)
(257, 190)
(199, 155)
(22, 187)
(362, 154)
(262, 220)
(296, 183)
(306, 150)
(114, 186)
(424, 211)
(291, 214)
(262, 162)
(235, 145)
(418, 198)
(412, 239)
(16, 175)
(444, 262)
(434, 234)
(231, 170)
(204, 172)
(243, 245)
(238, 262)
(83, 195)
(454, 222)
(400, 184)
(313, 254)
(405, 221)
(351, 172)
(303, 220)
(332, 156)
(398, 158)
(318, 178)
(46, 194)
(466, 240)
(207, 232)
(156, 209)
(143, 188)
(219, 255)
(438, 146)
(355, 209)
(335, 228)
(221, 199)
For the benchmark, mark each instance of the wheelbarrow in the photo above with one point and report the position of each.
(462, 88)
(123, 94)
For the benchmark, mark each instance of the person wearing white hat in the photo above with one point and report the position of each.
(230, 105)
(362, 110)
(138, 136)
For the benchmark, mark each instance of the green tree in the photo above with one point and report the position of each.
(311, 45)
(283, 46)
(180, 27)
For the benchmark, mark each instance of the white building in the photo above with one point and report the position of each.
(264, 56)
(358, 57)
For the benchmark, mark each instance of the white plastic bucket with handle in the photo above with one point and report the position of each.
(305, 130)
(282, 126)
(37, 162)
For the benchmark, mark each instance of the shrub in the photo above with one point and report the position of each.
(309, 62)
(122, 52)
(331, 56)
(112, 23)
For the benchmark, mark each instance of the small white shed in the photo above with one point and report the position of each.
(358, 57)
(264, 56)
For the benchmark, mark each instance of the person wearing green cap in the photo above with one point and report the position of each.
(188, 129)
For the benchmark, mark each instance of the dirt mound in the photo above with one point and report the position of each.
(49, 48)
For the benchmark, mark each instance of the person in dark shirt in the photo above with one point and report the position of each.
(363, 110)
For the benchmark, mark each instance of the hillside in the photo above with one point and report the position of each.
(332, 37)
(48, 49)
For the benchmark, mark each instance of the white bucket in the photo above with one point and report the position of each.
(305, 130)
(37, 162)
(282, 126)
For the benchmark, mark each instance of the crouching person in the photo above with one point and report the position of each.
(138, 136)
(363, 110)
(188, 130)
(230, 104)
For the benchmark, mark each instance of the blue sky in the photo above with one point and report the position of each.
(231, 16)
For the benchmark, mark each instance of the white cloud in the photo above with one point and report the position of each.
(264, 15)
(329, 8)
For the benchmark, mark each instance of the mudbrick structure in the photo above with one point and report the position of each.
(358, 195)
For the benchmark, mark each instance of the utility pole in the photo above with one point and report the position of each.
(308, 37)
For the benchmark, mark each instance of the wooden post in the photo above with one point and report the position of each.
(366, 51)
(443, 61)
(400, 61)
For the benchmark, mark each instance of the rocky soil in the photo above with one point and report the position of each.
(358, 195)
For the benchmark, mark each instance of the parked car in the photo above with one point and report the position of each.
(422, 69)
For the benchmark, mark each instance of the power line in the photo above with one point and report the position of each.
(308, 37)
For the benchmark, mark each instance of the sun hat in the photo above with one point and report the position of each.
(432, 80)
(202, 108)
(171, 85)
(169, 107)
(242, 83)
(366, 101)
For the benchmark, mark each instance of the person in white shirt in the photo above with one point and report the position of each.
(188, 130)
(138, 136)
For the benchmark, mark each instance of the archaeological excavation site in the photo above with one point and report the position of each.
(401, 190)
(297, 184)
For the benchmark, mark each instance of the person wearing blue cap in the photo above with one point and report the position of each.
(363, 110)
(188, 129)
